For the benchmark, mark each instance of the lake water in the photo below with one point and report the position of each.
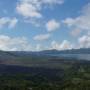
(78, 56)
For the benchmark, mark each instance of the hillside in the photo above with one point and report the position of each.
(45, 70)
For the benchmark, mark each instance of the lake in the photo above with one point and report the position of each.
(77, 56)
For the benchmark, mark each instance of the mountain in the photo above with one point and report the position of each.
(30, 58)
(70, 51)
(13, 54)
(49, 52)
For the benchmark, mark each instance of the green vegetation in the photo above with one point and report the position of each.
(52, 74)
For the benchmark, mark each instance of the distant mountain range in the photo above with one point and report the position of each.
(49, 52)
(71, 51)
(45, 52)
(30, 57)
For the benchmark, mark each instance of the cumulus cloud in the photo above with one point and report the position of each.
(14, 44)
(42, 37)
(52, 25)
(82, 21)
(55, 45)
(28, 10)
(69, 21)
(65, 45)
(61, 46)
(84, 41)
(32, 8)
(6, 21)
(78, 24)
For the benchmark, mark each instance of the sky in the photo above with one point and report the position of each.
(34, 25)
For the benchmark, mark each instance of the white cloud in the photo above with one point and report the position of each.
(78, 24)
(75, 32)
(28, 10)
(35, 22)
(65, 45)
(61, 46)
(52, 25)
(53, 1)
(6, 21)
(38, 47)
(69, 21)
(55, 45)
(14, 44)
(42, 37)
(33, 8)
(3, 21)
(13, 22)
(82, 21)
(84, 41)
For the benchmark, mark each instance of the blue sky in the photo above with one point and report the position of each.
(33, 25)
